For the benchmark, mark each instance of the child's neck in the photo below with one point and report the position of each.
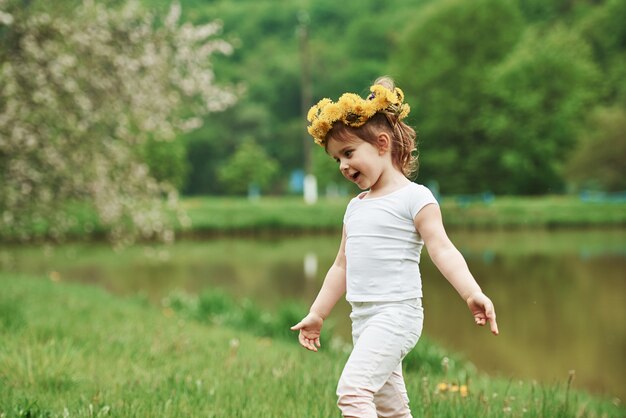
(386, 184)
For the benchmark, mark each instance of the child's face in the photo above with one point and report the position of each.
(359, 161)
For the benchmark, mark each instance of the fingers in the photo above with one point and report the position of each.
(297, 327)
(494, 326)
(309, 344)
(490, 312)
(491, 316)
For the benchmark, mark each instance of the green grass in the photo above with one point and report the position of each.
(229, 215)
(71, 350)
(272, 214)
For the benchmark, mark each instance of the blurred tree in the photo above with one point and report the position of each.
(599, 159)
(327, 171)
(441, 52)
(266, 62)
(605, 30)
(80, 95)
(347, 42)
(538, 97)
(550, 11)
(441, 62)
(250, 166)
(166, 160)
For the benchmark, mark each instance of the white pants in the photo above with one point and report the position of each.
(371, 384)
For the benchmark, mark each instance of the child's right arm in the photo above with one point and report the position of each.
(333, 288)
(453, 266)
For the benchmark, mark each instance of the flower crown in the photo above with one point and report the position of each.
(354, 111)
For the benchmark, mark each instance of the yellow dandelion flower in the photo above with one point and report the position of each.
(358, 108)
(345, 106)
(333, 112)
(442, 387)
(404, 111)
(312, 113)
(353, 110)
(359, 122)
(384, 94)
(370, 108)
(454, 388)
(400, 94)
(350, 98)
(464, 391)
(323, 102)
(323, 127)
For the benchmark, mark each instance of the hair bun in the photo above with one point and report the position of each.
(386, 82)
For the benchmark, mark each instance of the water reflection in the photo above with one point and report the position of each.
(560, 295)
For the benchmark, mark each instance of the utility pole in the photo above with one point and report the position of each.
(310, 182)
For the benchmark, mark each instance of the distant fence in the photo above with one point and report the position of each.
(467, 199)
(602, 197)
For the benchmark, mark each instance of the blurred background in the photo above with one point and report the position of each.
(130, 121)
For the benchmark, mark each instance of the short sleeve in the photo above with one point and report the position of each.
(420, 197)
(347, 212)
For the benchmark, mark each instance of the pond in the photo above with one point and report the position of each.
(559, 294)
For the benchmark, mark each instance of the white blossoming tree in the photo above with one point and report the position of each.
(79, 95)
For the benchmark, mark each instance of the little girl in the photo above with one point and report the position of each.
(377, 265)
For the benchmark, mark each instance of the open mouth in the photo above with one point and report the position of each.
(355, 176)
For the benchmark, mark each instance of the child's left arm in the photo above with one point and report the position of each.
(452, 265)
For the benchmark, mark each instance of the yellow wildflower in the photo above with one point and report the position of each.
(404, 111)
(333, 112)
(400, 94)
(312, 113)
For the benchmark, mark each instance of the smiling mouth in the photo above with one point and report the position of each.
(355, 176)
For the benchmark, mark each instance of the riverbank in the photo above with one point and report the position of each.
(75, 350)
(210, 215)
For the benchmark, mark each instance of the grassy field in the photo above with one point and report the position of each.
(71, 350)
(269, 214)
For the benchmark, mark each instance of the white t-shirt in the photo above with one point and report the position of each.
(382, 246)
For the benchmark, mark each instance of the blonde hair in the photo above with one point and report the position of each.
(404, 153)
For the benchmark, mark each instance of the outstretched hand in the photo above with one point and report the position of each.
(310, 328)
(482, 309)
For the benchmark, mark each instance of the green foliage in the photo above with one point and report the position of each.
(216, 307)
(538, 97)
(326, 170)
(550, 11)
(604, 29)
(249, 166)
(166, 160)
(441, 62)
(346, 42)
(451, 60)
(599, 159)
(82, 94)
(11, 315)
(457, 62)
